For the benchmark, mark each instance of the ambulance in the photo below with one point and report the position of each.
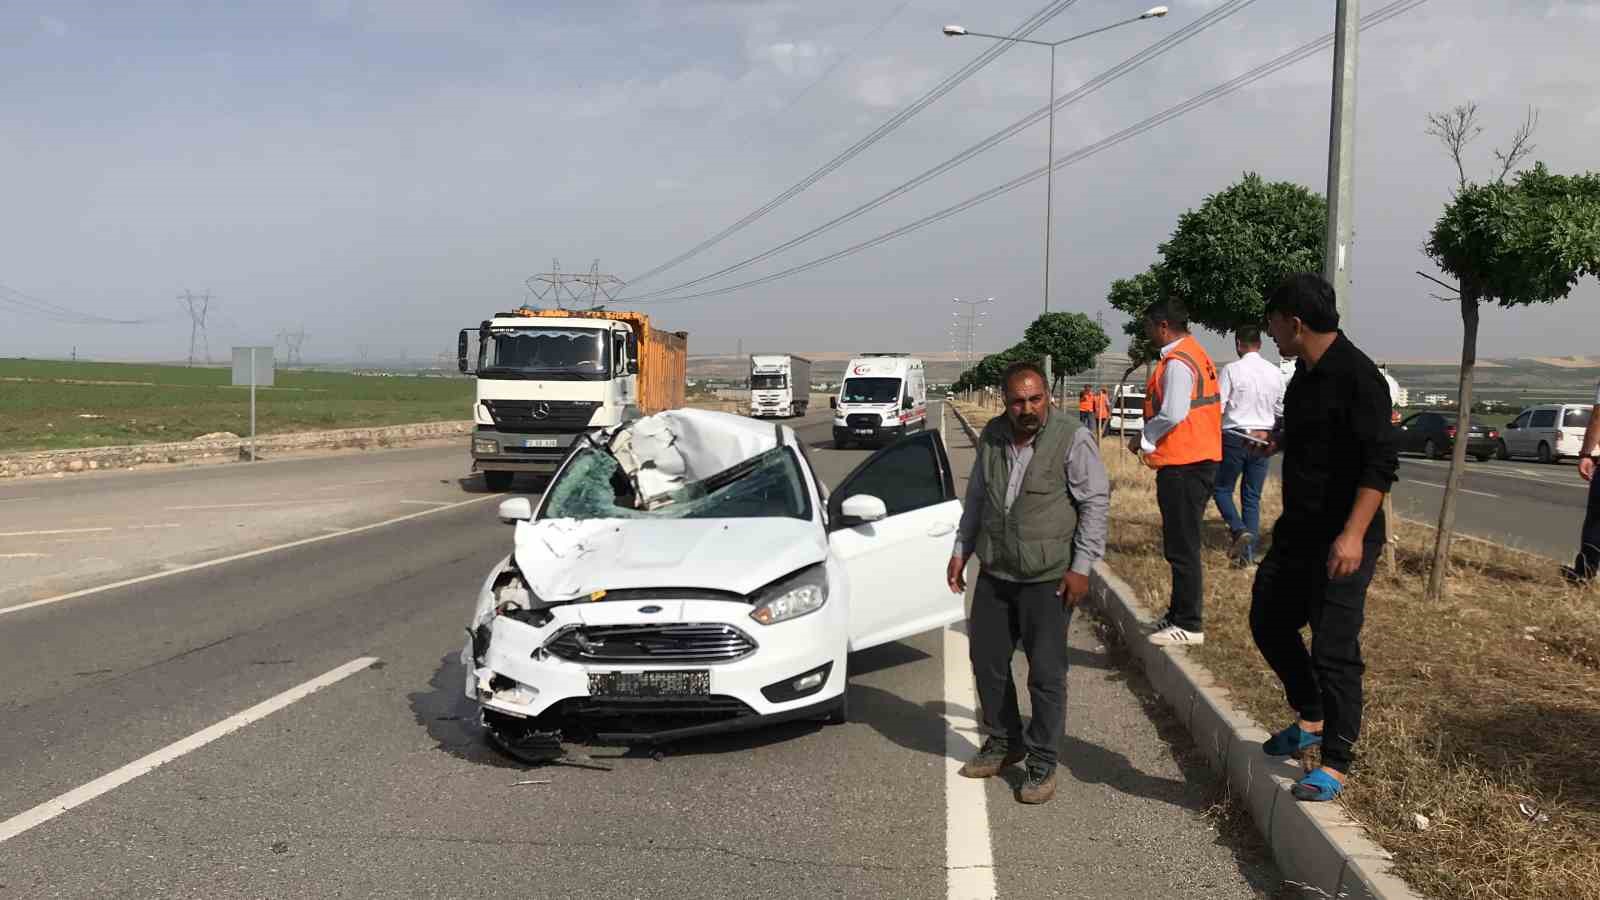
(884, 396)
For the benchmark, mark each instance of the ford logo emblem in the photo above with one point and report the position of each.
(649, 609)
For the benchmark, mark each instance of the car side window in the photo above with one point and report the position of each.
(1544, 418)
(1522, 420)
(909, 475)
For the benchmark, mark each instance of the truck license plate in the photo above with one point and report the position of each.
(690, 683)
(540, 442)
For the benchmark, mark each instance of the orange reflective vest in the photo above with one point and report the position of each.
(1085, 403)
(1198, 438)
(1102, 409)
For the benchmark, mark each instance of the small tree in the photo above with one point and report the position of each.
(1070, 340)
(1225, 256)
(1525, 242)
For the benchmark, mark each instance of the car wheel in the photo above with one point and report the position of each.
(498, 482)
(1501, 451)
(1544, 453)
(1484, 457)
(1431, 450)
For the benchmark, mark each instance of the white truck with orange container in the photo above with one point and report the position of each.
(546, 376)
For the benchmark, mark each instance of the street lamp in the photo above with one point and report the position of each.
(1154, 12)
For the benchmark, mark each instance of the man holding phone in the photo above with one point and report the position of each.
(1339, 459)
(1252, 401)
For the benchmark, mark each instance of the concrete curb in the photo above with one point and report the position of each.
(1314, 844)
(55, 462)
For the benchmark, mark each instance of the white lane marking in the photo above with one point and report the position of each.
(110, 781)
(366, 483)
(16, 499)
(426, 502)
(53, 531)
(968, 856)
(149, 527)
(334, 529)
(23, 555)
(254, 505)
(1462, 490)
(239, 556)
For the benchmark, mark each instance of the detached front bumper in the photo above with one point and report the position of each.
(522, 683)
(497, 451)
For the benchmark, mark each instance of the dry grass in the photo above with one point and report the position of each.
(1478, 709)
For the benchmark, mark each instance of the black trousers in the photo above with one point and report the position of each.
(1588, 561)
(1292, 590)
(1182, 493)
(1005, 614)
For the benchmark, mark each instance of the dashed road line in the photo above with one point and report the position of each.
(50, 809)
(426, 502)
(255, 505)
(49, 531)
(968, 854)
(23, 555)
(1462, 490)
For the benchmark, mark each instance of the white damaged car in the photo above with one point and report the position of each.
(689, 573)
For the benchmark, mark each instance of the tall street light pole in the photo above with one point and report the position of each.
(1155, 12)
(1341, 153)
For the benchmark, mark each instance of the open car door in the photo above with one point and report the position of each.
(896, 564)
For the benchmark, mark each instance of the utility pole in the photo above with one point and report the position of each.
(1341, 153)
(197, 305)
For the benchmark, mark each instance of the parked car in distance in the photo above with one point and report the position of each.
(1433, 434)
(1127, 410)
(1549, 433)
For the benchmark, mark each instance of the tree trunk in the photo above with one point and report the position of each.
(1458, 455)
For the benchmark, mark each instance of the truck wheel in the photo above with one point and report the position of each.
(498, 482)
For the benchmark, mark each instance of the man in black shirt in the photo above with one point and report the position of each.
(1339, 459)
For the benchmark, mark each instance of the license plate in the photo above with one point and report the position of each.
(692, 683)
(541, 442)
(863, 431)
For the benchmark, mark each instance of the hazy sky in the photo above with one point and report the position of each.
(384, 172)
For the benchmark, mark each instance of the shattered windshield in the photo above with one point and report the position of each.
(556, 354)
(593, 486)
(870, 390)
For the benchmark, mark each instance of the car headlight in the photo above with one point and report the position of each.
(789, 598)
(485, 445)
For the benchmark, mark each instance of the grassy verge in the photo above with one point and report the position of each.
(1481, 712)
(60, 405)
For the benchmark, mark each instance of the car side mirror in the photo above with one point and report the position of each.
(863, 508)
(515, 509)
(1511, 426)
(833, 402)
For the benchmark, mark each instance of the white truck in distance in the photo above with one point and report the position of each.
(884, 396)
(780, 385)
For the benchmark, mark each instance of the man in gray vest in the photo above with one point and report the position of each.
(1035, 514)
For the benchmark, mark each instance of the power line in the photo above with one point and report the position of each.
(1148, 54)
(557, 286)
(46, 309)
(1303, 52)
(1029, 25)
(197, 305)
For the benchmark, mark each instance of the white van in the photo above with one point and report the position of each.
(883, 397)
(1127, 410)
(1548, 433)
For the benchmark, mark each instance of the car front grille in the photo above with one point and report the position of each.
(671, 642)
(863, 420)
(528, 416)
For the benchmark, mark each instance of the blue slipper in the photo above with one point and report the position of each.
(1290, 741)
(1317, 787)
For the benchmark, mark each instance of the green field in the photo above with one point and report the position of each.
(46, 405)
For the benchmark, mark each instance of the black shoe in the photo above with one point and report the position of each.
(1574, 577)
(1041, 784)
(995, 756)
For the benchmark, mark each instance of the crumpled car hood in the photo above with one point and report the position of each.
(567, 558)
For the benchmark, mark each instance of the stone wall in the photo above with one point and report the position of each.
(221, 446)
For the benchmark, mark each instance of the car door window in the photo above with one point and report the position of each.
(911, 474)
(1522, 420)
(1544, 418)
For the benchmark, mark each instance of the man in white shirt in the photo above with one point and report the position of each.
(1587, 564)
(1252, 403)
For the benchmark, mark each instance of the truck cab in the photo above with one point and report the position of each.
(780, 385)
(883, 397)
(547, 376)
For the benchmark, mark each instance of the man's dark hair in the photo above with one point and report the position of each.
(1169, 310)
(1018, 368)
(1249, 335)
(1308, 297)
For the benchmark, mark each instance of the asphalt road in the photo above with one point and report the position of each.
(380, 784)
(1523, 504)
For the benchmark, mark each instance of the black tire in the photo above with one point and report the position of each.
(1501, 451)
(1484, 457)
(498, 482)
(1544, 453)
(1431, 450)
